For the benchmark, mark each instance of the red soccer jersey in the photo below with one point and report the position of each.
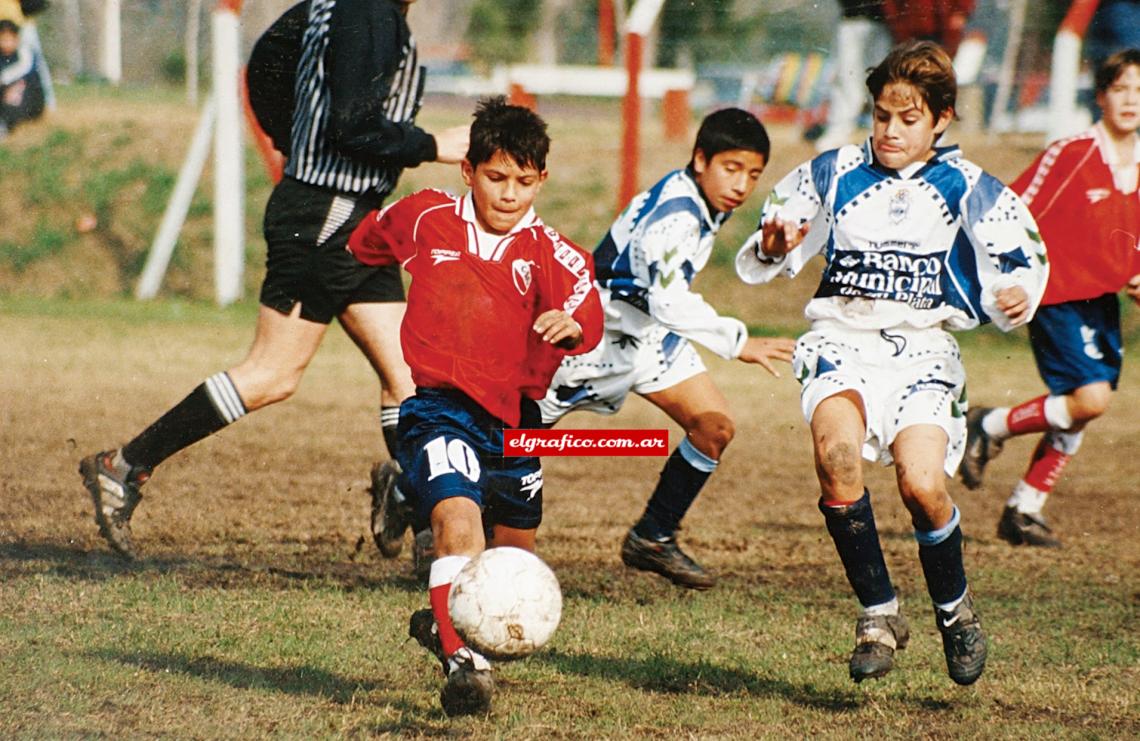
(474, 297)
(1091, 228)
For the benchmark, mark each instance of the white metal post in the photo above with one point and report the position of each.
(229, 170)
(111, 64)
(176, 209)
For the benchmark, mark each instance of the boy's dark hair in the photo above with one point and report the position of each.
(731, 128)
(1112, 68)
(10, 26)
(925, 66)
(511, 129)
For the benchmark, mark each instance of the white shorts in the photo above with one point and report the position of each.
(905, 377)
(600, 380)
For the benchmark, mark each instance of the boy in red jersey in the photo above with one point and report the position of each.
(497, 299)
(1083, 193)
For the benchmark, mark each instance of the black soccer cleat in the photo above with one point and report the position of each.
(115, 497)
(423, 628)
(963, 642)
(389, 517)
(666, 558)
(423, 554)
(469, 685)
(980, 449)
(877, 637)
(1020, 528)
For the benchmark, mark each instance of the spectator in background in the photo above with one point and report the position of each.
(861, 39)
(940, 21)
(1114, 27)
(21, 87)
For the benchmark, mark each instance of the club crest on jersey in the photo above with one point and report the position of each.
(520, 271)
(900, 205)
(439, 255)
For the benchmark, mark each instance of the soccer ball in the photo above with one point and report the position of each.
(505, 603)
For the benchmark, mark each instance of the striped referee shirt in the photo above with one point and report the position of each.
(359, 86)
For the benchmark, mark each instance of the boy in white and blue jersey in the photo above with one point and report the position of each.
(917, 241)
(645, 265)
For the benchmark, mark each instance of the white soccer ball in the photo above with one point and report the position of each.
(505, 603)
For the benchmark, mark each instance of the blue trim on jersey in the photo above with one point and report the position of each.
(961, 286)
(823, 170)
(675, 206)
(984, 195)
(671, 346)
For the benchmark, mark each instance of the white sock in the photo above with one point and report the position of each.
(994, 423)
(1057, 412)
(950, 606)
(1026, 499)
(886, 608)
(444, 570)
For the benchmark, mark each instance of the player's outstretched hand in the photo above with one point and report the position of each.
(1133, 288)
(559, 328)
(451, 144)
(763, 350)
(780, 237)
(1014, 303)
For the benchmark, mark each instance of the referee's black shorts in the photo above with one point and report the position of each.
(306, 229)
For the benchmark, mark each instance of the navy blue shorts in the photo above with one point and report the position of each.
(1077, 343)
(452, 447)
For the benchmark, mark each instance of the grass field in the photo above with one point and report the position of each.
(262, 609)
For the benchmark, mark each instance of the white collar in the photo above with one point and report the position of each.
(467, 213)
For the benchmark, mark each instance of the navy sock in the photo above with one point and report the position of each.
(681, 480)
(941, 554)
(211, 406)
(852, 528)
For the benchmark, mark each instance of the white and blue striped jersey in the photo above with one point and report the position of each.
(646, 263)
(923, 247)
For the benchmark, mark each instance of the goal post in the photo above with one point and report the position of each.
(221, 122)
(637, 27)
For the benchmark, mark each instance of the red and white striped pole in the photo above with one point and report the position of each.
(640, 23)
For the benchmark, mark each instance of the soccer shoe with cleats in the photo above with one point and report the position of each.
(666, 558)
(1020, 528)
(423, 553)
(115, 496)
(980, 449)
(469, 684)
(877, 637)
(424, 629)
(389, 517)
(963, 641)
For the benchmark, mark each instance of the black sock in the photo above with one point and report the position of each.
(940, 552)
(681, 480)
(852, 528)
(208, 408)
(389, 420)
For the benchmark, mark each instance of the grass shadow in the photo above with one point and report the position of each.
(267, 571)
(290, 680)
(661, 674)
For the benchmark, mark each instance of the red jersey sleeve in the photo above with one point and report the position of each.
(388, 235)
(566, 282)
(570, 287)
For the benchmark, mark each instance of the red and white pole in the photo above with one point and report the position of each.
(639, 24)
